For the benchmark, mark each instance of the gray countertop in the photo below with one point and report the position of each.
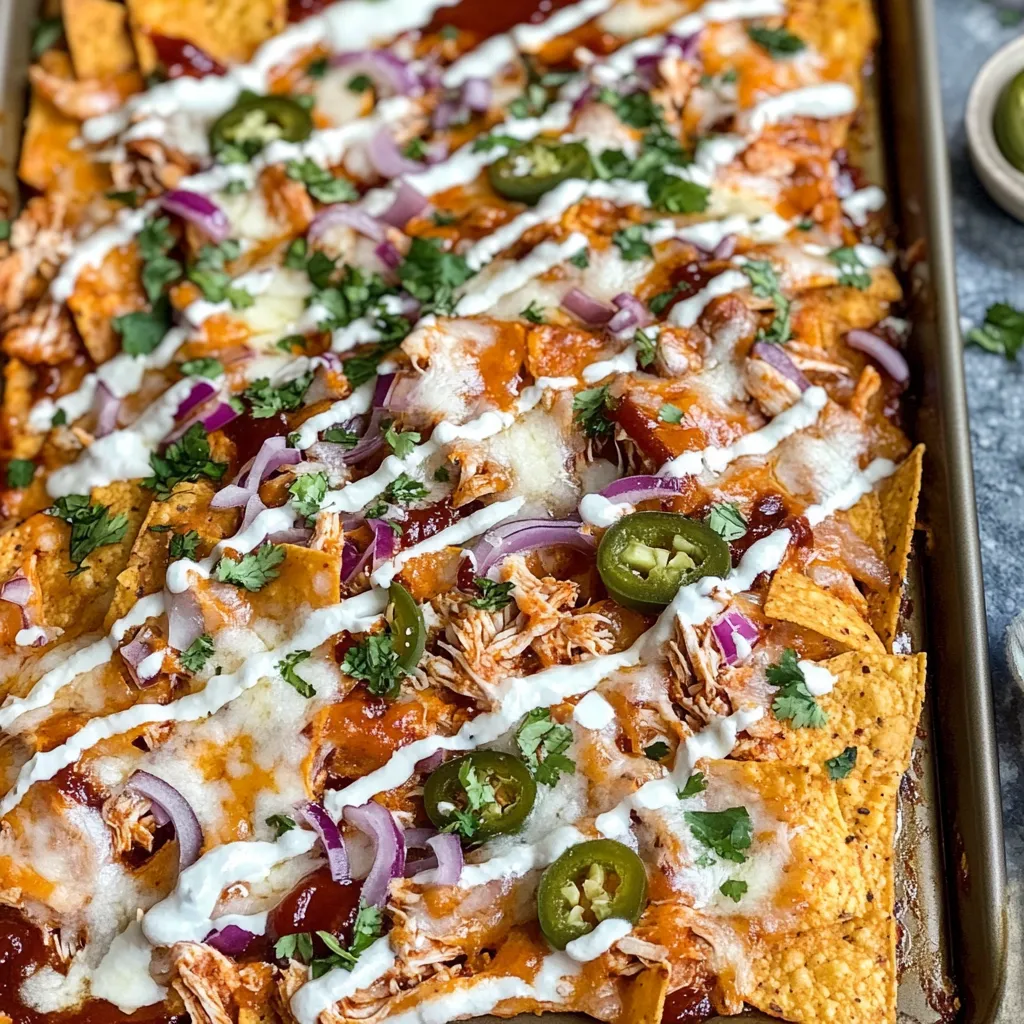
(990, 264)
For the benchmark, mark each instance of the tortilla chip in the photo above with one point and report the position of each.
(17, 404)
(644, 1000)
(897, 497)
(76, 604)
(843, 973)
(97, 35)
(305, 578)
(227, 30)
(874, 707)
(822, 316)
(868, 805)
(794, 598)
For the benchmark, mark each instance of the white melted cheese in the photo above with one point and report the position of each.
(594, 712)
(122, 977)
(597, 942)
(860, 204)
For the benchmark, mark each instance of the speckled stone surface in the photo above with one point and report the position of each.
(990, 264)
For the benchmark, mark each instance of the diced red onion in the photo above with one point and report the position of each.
(631, 313)
(382, 388)
(776, 357)
(371, 442)
(409, 202)
(388, 255)
(231, 940)
(726, 248)
(353, 562)
(201, 391)
(199, 210)
(631, 489)
(689, 46)
(588, 309)
(528, 535)
(108, 405)
(727, 628)
(330, 838)
(387, 159)
(187, 829)
(390, 74)
(384, 541)
(584, 98)
(376, 821)
(184, 620)
(448, 850)
(445, 114)
(476, 94)
(220, 417)
(231, 496)
(134, 653)
(348, 215)
(890, 359)
(17, 590)
(253, 507)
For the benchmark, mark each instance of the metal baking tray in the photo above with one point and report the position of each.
(951, 875)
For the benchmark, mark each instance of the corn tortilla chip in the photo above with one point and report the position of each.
(97, 35)
(794, 598)
(644, 1001)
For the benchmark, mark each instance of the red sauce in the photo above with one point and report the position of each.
(687, 1005)
(421, 523)
(691, 277)
(317, 903)
(488, 19)
(248, 434)
(300, 10)
(181, 59)
(79, 788)
(768, 515)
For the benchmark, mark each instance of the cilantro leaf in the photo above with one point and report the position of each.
(142, 331)
(646, 347)
(727, 832)
(441, 475)
(764, 283)
(479, 793)
(183, 545)
(205, 367)
(339, 435)
(581, 259)
(365, 930)
(265, 400)
(431, 275)
(253, 571)
(632, 243)
(727, 521)
(401, 444)
(636, 109)
(186, 459)
(657, 751)
(841, 765)
(794, 701)
(671, 194)
(543, 743)
(695, 784)
(287, 669)
(734, 889)
(465, 823)
(590, 409)
(297, 946)
(1002, 332)
(46, 33)
(320, 183)
(669, 413)
(533, 313)
(493, 596)
(196, 655)
(778, 42)
(308, 491)
(20, 472)
(852, 272)
(280, 823)
(403, 490)
(157, 273)
(92, 527)
(376, 663)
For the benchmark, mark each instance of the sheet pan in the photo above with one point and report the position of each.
(951, 871)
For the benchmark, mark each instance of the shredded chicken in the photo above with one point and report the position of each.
(328, 536)
(773, 391)
(694, 666)
(43, 335)
(80, 99)
(206, 981)
(39, 242)
(129, 817)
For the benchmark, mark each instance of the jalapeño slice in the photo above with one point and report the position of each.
(480, 795)
(529, 171)
(1009, 121)
(255, 121)
(408, 631)
(588, 884)
(647, 556)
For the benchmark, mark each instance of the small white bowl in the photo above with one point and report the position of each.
(1004, 183)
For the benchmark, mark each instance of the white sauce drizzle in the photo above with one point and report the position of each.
(594, 712)
(818, 678)
(858, 205)
(597, 942)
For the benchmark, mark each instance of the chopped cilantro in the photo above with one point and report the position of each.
(186, 459)
(129, 198)
(205, 367)
(794, 701)
(695, 784)
(317, 68)
(142, 331)
(636, 109)
(493, 596)
(580, 259)
(320, 183)
(480, 794)
(778, 42)
(734, 889)
(1002, 332)
(280, 823)
(465, 823)
(403, 490)
(295, 254)
(841, 765)
(20, 472)
(60, 418)
(852, 272)
(646, 347)
(252, 571)
(197, 654)
(266, 400)
(297, 946)
(287, 669)
(92, 527)
(401, 444)
(46, 33)
(764, 283)
(365, 932)
(157, 274)
(533, 313)
(727, 521)
(543, 743)
(671, 194)
(632, 243)
(308, 491)
(431, 275)
(183, 545)
(727, 832)
(670, 413)
(359, 83)
(443, 219)
(339, 435)
(441, 475)
(657, 751)
(376, 663)
(590, 409)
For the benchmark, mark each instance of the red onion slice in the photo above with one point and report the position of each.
(384, 541)
(220, 417)
(354, 561)
(253, 507)
(371, 442)
(476, 94)
(776, 357)
(631, 313)
(387, 158)
(17, 590)
(231, 496)
(390, 74)
(134, 653)
(108, 405)
(201, 391)
(300, 535)
(376, 821)
(890, 359)
(448, 850)
(230, 940)
(389, 255)
(179, 811)
(726, 248)
(350, 216)
(184, 620)
(409, 202)
(529, 535)
(587, 308)
(727, 628)
(199, 210)
(631, 489)
(330, 837)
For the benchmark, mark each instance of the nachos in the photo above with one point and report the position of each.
(456, 516)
